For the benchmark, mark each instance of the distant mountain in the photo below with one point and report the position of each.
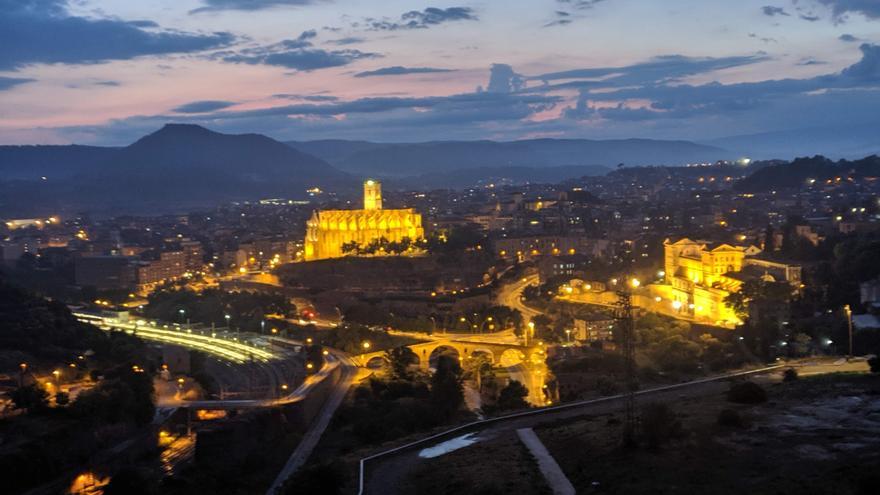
(458, 179)
(402, 159)
(840, 142)
(797, 173)
(34, 162)
(177, 168)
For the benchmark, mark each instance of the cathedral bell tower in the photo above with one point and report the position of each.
(372, 195)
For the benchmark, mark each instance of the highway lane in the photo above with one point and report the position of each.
(220, 344)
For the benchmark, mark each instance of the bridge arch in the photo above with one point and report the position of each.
(376, 362)
(443, 350)
(511, 357)
(482, 351)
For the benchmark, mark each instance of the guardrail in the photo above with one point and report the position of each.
(544, 410)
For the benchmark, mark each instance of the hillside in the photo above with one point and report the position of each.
(34, 162)
(413, 159)
(798, 172)
(174, 169)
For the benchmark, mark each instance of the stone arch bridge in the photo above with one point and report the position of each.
(427, 353)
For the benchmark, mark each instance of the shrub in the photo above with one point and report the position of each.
(731, 419)
(606, 386)
(746, 393)
(659, 424)
(789, 375)
(326, 479)
(30, 397)
(874, 363)
(513, 396)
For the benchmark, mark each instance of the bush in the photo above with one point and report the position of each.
(606, 386)
(789, 375)
(659, 424)
(746, 393)
(31, 397)
(731, 419)
(874, 363)
(132, 481)
(513, 396)
(326, 479)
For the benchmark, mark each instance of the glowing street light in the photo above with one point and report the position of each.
(366, 345)
(676, 305)
(635, 283)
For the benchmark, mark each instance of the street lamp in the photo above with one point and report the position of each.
(366, 345)
(23, 368)
(848, 311)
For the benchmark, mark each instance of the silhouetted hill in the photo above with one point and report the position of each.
(839, 142)
(177, 168)
(798, 172)
(517, 175)
(186, 157)
(402, 159)
(33, 162)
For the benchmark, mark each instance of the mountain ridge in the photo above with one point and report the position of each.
(413, 159)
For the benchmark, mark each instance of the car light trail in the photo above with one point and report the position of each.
(230, 350)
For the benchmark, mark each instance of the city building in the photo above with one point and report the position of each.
(328, 230)
(528, 248)
(170, 265)
(698, 276)
(106, 272)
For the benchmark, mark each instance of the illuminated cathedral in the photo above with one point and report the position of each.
(328, 230)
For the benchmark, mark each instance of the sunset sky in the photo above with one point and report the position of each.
(109, 71)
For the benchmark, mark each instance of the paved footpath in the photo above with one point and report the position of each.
(546, 463)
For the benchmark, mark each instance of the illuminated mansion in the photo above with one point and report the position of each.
(328, 230)
(698, 276)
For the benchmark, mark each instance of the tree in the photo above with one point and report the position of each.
(30, 397)
(131, 481)
(479, 368)
(757, 297)
(399, 360)
(447, 393)
(676, 353)
(351, 247)
(513, 396)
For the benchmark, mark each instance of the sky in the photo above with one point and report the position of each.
(110, 71)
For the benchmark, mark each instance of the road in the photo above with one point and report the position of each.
(511, 295)
(231, 347)
(319, 424)
(383, 473)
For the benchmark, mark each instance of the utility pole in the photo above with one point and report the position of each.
(626, 337)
